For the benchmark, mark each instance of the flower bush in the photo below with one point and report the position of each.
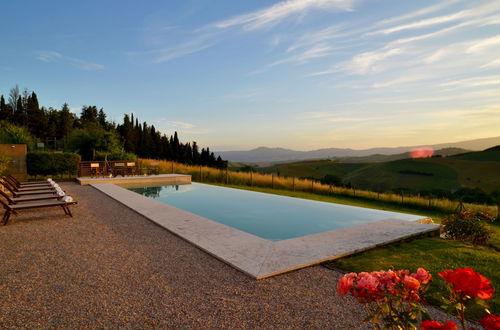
(468, 226)
(393, 299)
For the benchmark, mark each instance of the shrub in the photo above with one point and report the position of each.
(12, 134)
(52, 163)
(467, 226)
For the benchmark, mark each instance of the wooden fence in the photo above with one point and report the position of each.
(107, 168)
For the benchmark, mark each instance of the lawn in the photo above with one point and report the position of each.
(433, 254)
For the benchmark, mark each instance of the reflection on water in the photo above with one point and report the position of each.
(154, 192)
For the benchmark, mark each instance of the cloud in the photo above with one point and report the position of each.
(463, 14)
(420, 12)
(211, 34)
(54, 57)
(280, 11)
(473, 82)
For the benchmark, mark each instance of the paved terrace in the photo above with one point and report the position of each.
(110, 267)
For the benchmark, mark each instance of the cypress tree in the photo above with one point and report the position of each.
(5, 110)
(66, 121)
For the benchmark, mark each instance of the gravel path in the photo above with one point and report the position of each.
(109, 267)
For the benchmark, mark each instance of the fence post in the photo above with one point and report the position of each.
(312, 186)
(272, 181)
(293, 183)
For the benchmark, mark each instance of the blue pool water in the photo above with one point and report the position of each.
(268, 216)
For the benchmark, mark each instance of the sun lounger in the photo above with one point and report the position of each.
(13, 209)
(32, 198)
(16, 193)
(23, 188)
(17, 183)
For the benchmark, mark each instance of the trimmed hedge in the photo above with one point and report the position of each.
(52, 163)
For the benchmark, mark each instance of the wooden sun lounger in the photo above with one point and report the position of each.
(13, 209)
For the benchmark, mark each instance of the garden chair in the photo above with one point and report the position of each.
(131, 168)
(119, 169)
(13, 209)
(96, 170)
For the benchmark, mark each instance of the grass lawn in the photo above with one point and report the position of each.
(433, 254)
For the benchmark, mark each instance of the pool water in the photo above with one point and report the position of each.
(270, 217)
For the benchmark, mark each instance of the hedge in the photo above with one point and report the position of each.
(52, 163)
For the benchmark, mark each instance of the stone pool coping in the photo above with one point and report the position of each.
(138, 179)
(260, 258)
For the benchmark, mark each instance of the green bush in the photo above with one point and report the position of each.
(52, 163)
(12, 134)
(466, 226)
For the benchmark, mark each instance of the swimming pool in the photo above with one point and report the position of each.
(267, 216)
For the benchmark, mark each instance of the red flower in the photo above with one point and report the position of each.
(491, 322)
(435, 325)
(411, 283)
(468, 282)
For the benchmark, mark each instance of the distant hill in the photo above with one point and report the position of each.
(272, 155)
(472, 169)
(387, 158)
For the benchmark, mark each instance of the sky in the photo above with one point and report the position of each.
(235, 75)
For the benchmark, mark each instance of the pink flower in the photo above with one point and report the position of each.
(345, 284)
(422, 276)
(367, 282)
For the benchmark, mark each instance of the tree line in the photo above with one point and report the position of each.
(92, 135)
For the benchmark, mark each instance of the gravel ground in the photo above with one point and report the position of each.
(109, 267)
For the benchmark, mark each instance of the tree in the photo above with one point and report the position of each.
(89, 115)
(20, 117)
(5, 110)
(36, 118)
(14, 95)
(91, 139)
(66, 121)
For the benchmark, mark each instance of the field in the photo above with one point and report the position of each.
(472, 170)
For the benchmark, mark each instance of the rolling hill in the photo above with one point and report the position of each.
(472, 169)
(273, 155)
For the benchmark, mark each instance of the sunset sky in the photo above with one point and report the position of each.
(299, 74)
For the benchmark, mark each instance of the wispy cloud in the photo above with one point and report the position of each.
(421, 12)
(53, 56)
(211, 34)
(280, 11)
(460, 15)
